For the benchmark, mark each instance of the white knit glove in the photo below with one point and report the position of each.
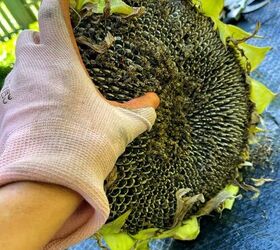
(55, 127)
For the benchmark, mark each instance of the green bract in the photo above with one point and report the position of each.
(116, 6)
(260, 95)
(187, 230)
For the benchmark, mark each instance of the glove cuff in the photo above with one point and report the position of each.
(43, 153)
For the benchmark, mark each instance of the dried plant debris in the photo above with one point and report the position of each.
(261, 152)
(254, 187)
(183, 52)
(261, 181)
(100, 48)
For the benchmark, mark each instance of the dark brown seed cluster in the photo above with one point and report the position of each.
(201, 130)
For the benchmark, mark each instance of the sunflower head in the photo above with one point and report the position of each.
(210, 106)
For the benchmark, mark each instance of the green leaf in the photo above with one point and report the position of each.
(7, 52)
(239, 34)
(260, 95)
(79, 4)
(116, 6)
(211, 8)
(73, 4)
(119, 241)
(254, 54)
(189, 231)
(120, 7)
(145, 234)
(224, 31)
(253, 130)
(230, 31)
(142, 245)
(115, 226)
(34, 26)
(234, 191)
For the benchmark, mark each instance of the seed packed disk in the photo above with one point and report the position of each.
(202, 125)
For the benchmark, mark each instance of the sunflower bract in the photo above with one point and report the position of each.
(202, 125)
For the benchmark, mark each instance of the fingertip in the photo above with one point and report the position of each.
(53, 15)
(148, 100)
(26, 42)
(153, 99)
(148, 116)
(27, 37)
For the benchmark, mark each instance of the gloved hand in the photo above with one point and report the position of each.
(57, 128)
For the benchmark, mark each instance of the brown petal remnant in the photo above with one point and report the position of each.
(99, 48)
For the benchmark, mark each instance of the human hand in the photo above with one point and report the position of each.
(55, 125)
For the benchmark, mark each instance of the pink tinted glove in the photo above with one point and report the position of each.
(56, 128)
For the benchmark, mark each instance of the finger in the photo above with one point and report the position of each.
(25, 41)
(27, 38)
(52, 23)
(147, 115)
(136, 122)
(150, 99)
(55, 26)
(138, 115)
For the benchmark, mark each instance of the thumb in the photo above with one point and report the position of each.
(53, 27)
(26, 40)
(150, 99)
(138, 114)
